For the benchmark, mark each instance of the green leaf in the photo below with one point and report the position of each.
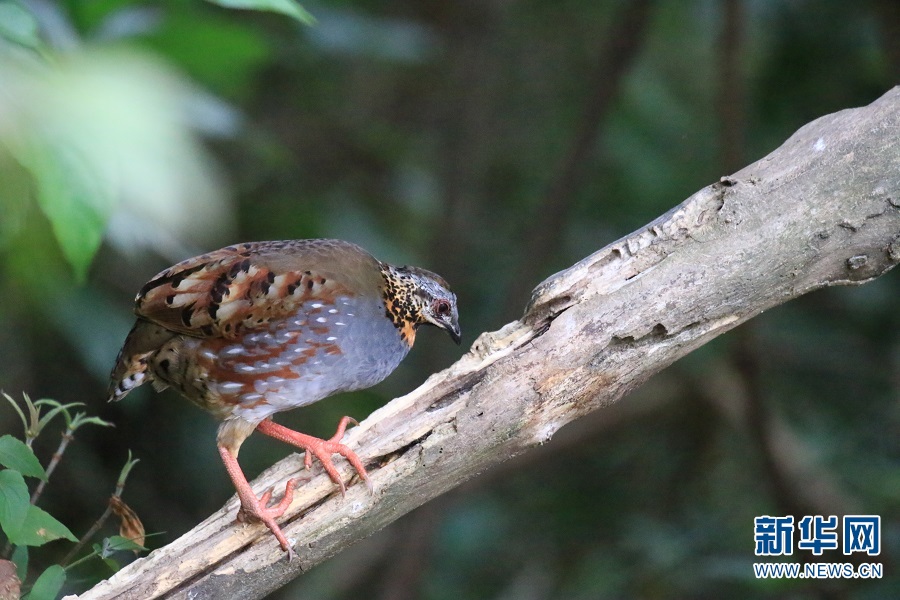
(285, 7)
(115, 543)
(18, 25)
(14, 454)
(39, 528)
(69, 194)
(14, 502)
(48, 584)
(80, 419)
(15, 405)
(219, 52)
(20, 559)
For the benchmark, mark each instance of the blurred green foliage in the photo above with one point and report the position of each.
(135, 133)
(285, 7)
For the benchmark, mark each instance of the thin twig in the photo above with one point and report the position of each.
(67, 437)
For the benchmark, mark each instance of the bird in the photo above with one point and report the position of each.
(254, 329)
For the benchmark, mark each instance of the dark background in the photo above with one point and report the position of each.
(494, 142)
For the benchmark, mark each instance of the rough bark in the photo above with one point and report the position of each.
(9, 581)
(821, 210)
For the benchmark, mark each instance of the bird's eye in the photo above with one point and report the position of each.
(442, 308)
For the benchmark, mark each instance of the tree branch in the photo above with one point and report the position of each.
(823, 209)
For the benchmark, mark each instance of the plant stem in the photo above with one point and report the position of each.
(67, 437)
(90, 533)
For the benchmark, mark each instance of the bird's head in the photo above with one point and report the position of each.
(414, 297)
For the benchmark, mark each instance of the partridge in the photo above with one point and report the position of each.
(255, 329)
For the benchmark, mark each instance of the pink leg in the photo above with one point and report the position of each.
(322, 449)
(254, 508)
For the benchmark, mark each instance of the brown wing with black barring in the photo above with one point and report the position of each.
(244, 287)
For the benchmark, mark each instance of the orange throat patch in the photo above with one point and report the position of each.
(408, 333)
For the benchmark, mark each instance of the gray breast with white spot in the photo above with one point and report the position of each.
(323, 349)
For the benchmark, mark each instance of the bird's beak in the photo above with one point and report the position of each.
(453, 329)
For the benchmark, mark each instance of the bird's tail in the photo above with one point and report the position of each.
(131, 370)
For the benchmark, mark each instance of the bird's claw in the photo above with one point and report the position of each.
(320, 448)
(260, 511)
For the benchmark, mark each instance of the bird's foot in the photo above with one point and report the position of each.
(258, 509)
(255, 508)
(321, 449)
